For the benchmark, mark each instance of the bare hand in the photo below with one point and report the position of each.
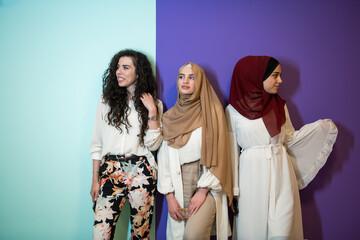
(197, 200)
(94, 191)
(149, 103)
(173, 207)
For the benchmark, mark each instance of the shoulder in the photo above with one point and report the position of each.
(230, 110)
(159, 103)
(101, 101)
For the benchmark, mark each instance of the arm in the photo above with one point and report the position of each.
(197, 200)
(234, 152)
(165, 185)
(173, 207)
(289, 129)
(150, 105)
(95, 186)
(96, 143)
(153, 136)
(207, 182)
(96, 150)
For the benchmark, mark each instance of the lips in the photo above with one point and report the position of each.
(120, 79)
(185, 87)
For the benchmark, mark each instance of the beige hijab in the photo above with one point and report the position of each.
(201, 109)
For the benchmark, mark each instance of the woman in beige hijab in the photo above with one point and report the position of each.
(194, 164)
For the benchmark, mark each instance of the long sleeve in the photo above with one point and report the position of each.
(96, 144)
(234, 152)
(209, 180)
(164, 180)
(153, 137)
(309, 147)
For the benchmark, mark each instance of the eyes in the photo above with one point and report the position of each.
(125, 67)
(182, 76)
(276, 75)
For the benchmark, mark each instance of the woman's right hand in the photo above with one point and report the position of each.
(173, 207)
(95, 186)
(94, 191)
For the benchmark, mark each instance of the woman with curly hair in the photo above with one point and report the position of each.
(127, 129)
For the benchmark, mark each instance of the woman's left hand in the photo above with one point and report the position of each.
(197, 200)
(149, 103)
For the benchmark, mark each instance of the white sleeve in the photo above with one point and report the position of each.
(208, 180)
(153, 137)
(309, 148)
(164, 185)
(234, 152)
(96, 143)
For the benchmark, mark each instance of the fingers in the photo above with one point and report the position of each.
(173, 207)
(176, 215)
(94, 194)
(146, 97)
(194, 206)
(148, 102)
(232, 208)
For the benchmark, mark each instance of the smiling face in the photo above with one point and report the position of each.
(272, 83)
(125, 73)
(186, 81)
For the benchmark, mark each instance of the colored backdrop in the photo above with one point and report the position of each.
(52, 57)
(317, 44)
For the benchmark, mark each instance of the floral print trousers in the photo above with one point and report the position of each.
(121, 177)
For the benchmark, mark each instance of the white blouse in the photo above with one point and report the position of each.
(107, 139)
(189, 153)
(170, 180)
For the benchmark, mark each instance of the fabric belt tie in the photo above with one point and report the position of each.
(121, 158)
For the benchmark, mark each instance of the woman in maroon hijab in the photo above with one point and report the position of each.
(275, 160)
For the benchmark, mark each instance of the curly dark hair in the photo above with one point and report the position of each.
(117, 97)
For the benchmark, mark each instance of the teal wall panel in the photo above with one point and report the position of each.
(52, 57)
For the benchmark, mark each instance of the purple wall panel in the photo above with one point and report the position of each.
(317, 44)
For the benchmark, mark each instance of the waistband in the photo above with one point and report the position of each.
(126, 157)
(262, 147)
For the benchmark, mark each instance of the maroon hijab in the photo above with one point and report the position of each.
(248, 97)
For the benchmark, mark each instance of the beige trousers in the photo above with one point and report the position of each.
(199, 225)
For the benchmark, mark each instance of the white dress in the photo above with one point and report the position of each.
(170, 180)
(271, 170)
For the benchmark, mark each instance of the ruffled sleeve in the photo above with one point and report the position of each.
(153, 137)
(309, 147)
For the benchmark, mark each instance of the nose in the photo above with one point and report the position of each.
(186, 80)
(118, 71)
(280, 80)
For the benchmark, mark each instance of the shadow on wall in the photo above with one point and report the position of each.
(345, 143)
(291, 82)
(160, 88)
(211, 76)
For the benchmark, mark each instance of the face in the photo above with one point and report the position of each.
(125, 72)
(272, 83)
(186, 81)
